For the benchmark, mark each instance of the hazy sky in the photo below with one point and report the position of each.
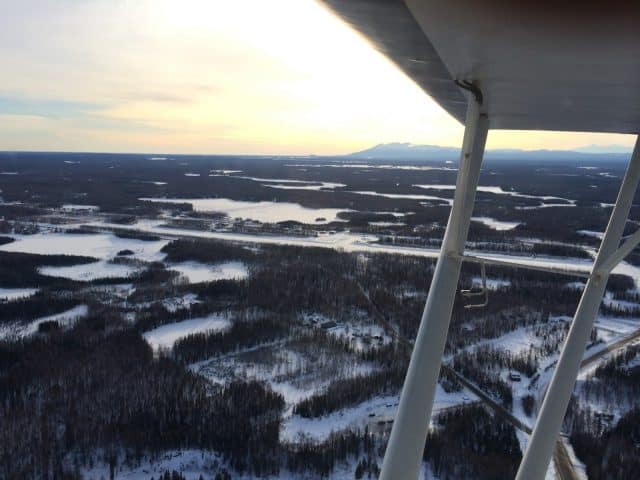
(211, 76)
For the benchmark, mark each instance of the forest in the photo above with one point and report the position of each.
(309, 334)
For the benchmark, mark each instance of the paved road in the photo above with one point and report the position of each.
(623, 342)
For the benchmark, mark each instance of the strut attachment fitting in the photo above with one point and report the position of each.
(478, 292)
(470, 87)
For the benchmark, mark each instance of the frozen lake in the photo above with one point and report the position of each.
(500, 191)
(101, 245)
(285, 183)
(265, 212)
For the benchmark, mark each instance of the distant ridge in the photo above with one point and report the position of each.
(612, 148)
(410, 151)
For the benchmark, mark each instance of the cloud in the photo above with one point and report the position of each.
(210, 76)
(45, 107)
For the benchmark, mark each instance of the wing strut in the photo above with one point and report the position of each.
(536, 458)
(406, 444)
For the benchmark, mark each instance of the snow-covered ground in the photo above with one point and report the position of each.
(196, 272)
(492, 283)
(619, 326)
(18, 330)
(101, 245)
(265, 212)
(500, 191)
(165, 336)
(379, 409)
(371, 166)
(407, 196)
(496, 224)
(591, 233)
(90, 271)
(190, 463)
(76, 208)
(9, 294)
(387, 224)
(197, 464)
(173, 304)
(362, 335)
(291, 369)
(579, 468)
(283, 183)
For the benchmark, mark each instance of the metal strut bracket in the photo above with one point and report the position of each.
(470, 87)
(483, 291)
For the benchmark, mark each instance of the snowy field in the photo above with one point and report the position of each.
(165, 336)
(196, 272)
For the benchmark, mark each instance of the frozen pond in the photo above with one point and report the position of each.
(496, 224)
(196, 272)
(265, 212)
(165, 336)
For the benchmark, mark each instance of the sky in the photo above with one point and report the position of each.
(213, 76)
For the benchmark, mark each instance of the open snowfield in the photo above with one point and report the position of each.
(196, 272)
(165, 336)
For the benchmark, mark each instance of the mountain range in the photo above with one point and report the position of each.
(410, 151)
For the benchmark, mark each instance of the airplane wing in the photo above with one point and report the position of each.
(540, 65)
